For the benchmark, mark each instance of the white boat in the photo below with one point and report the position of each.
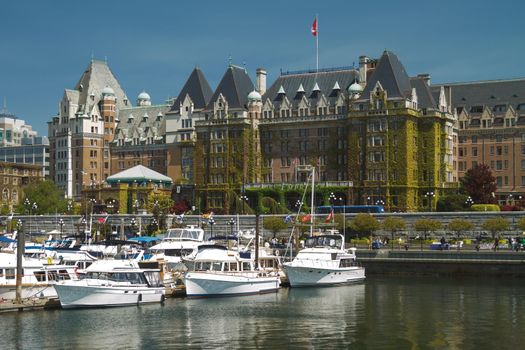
(37, 280)
(178, 244)
(324, 262)
(219, 271)
(112, 283)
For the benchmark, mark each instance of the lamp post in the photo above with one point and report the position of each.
(133, 222)
(244, 198)
(69, 207)
(331, 198)
(31, 208)
(429, 195)
(155, 223)
(61, 224)
(84, 223)
(211, 222)
(469, 201)
(231, 223)
(298, 205)
(136, 204)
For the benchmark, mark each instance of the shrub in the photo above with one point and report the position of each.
(485, 207)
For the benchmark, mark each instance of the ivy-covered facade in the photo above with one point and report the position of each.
(400, 140)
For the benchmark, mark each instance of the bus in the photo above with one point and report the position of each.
(340, 209)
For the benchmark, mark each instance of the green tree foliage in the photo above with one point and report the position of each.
(364, 224)
(459, 226)
(521, 224)
(455, 202)
(480, 184)
(425, 226)
(159, 205)
(48, 198)
(495, 225)
(393, 224)
(274, 224)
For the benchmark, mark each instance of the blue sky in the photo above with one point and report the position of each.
(153, 45)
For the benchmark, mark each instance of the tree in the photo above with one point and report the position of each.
(454, 202)
(364, 224)
(48, 198)
(521, 224)
(159, 205)
(393, 224)
(495, 225)
(274, 224)
(460, 225)
(480, 184)
(426, 225)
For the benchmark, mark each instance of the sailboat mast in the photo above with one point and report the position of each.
(312, 202)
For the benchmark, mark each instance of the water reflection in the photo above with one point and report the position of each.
(382, 313)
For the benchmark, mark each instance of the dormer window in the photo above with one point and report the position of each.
(476, 109)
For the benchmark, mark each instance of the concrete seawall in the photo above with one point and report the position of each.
(460, 263)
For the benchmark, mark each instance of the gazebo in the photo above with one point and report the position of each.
(127, 191)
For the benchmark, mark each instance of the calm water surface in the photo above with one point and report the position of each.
(382, 313)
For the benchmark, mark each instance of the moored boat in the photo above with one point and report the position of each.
(37, 280)
(108, 285)
(218, 271)
(324, 262)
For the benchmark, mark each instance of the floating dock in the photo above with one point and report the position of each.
(30, 304)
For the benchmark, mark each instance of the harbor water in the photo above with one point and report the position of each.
(381, 313)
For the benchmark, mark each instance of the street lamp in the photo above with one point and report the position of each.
(30, 208)
(469, 201)
(133, 222)
(331, 198)
(231, 223)
(61, 224)
(368, 200)
(298, 204)
(244, 198)
(84, 223)
(211, 222)
(137, 204)
(429, 195)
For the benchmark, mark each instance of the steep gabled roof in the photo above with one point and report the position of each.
(235, 86)
(424, 95)
(392, 76)
(197, 88)
(325, 80)
(95, 78)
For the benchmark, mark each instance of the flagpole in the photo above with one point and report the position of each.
(317, 44)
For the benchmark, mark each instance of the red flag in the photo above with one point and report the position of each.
(330, 216)
(102, 220)
(314, 27)
(306, 218)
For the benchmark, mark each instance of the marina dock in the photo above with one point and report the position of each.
(31, 304)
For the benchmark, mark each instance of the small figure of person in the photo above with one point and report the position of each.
(443, 242)
(496, 243)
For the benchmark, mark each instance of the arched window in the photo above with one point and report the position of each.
(14, 196)
(5, 194)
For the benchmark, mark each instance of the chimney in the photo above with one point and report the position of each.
(261, 80)
(363, 67)
(425, 77)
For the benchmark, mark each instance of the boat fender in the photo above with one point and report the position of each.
(139, 299)
(162, 298)
(277, 252)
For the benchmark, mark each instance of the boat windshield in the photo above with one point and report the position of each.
(323, 241)
(130, 277)
(184, 234)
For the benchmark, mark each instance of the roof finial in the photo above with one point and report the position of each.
(106, 59)
(92, 56)
(230, 60)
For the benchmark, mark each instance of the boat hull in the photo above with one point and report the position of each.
(304, 276)
(8, 292)
(209, 284)
(81, 296)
